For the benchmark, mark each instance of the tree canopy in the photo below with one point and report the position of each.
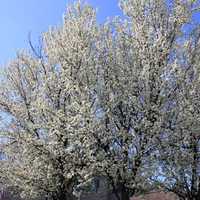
(118, 99)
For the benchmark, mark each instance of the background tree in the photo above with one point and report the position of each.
(179, 156)
(138, 88)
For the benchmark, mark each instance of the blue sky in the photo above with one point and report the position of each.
(20, 17)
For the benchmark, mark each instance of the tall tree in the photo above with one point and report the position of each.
(46, 97)
(99, 99)
(139, 61)
(179, 156)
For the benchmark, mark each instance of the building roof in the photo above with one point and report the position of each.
(157, 195)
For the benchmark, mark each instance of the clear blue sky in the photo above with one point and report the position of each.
(19, 17)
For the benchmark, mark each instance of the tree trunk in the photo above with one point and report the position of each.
(124, 193)
(64, 196)
(70, 197)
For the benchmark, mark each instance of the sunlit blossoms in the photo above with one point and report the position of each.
(118, 100)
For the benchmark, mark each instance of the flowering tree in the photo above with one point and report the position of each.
(47, 102)
(142, 63)
(179, 157)
(99, 100)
